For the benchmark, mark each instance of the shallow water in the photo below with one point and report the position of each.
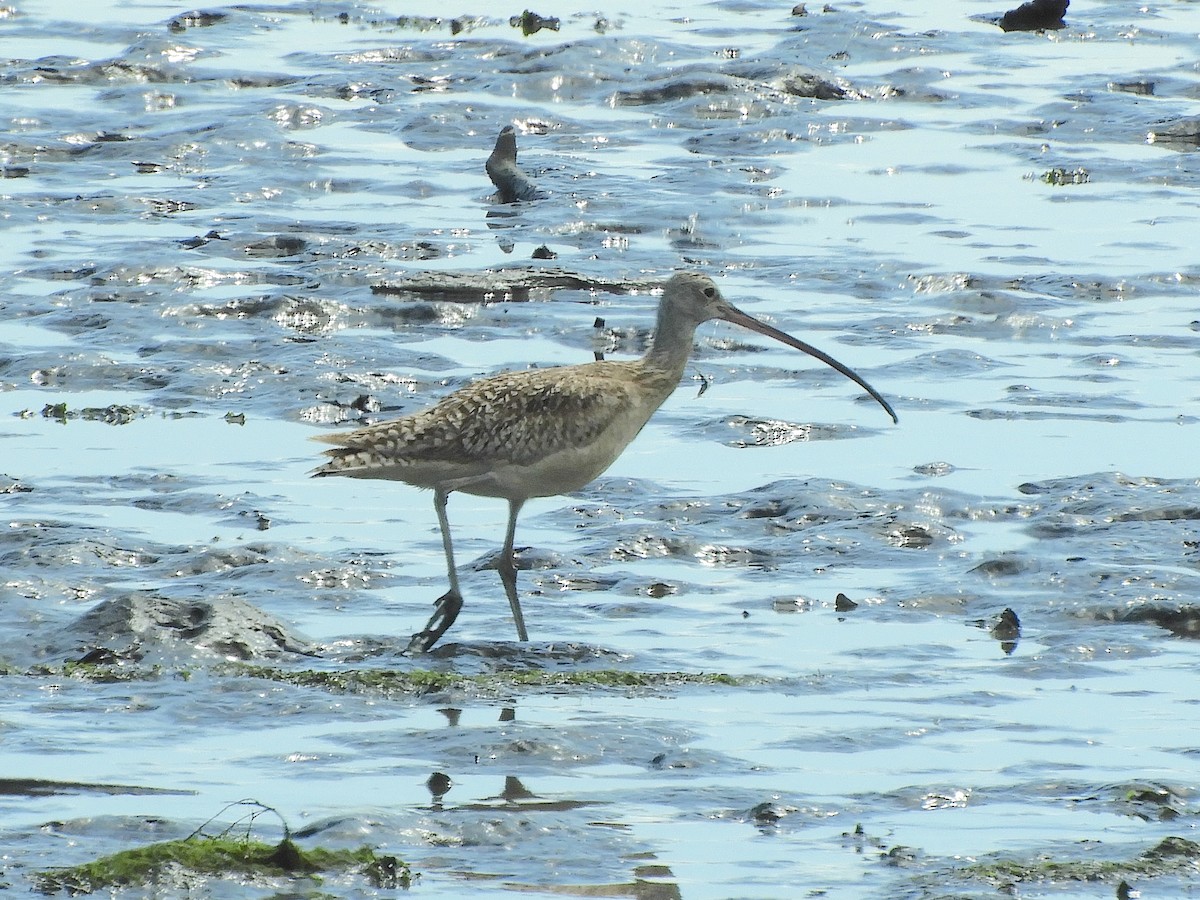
(195, 212)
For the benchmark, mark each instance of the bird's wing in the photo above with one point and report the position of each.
(516, 417)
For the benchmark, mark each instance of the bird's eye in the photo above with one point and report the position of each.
(710, 292)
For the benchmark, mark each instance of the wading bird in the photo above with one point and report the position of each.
(540, 432)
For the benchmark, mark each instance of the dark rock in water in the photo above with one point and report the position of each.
(1183, 135)
(544, 252)
(196, 19)
(276, 247)
(768, 814)
(224, 627)
(531, 23)
(512, 185)
(810, 84)
(1182, 621)
(1035, 16)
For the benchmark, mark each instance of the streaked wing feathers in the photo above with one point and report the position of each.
(516, 417)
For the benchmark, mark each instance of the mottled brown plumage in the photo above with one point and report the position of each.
(511, 420)
(539, 432)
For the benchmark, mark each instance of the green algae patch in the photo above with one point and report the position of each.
(415, 682)
(1171, 856)
(424, 681)
(221, 857)
(104, 672)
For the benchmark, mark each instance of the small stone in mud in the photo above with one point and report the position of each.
(195, 19)
(277, 246)
(842, 603)
(10, 485)
(544, 252)
(813, 86)
(934, 469)
(531, 23)
(998, 568)
(511, 183)
(1141, 87)
(767, 813)
(1036, 15)
(193, 242)
(913, 536)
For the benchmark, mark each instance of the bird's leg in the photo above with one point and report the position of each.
(508, 569)
(447, 607)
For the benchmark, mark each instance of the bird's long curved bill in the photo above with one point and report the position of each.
(732, 314)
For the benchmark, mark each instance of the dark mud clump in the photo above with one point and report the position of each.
(1036, 15)
(142, 625)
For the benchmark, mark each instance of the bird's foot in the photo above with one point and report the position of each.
(445, 610)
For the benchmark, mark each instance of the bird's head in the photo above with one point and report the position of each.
(690, 299)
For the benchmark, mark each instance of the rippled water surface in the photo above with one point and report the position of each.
(221, 234)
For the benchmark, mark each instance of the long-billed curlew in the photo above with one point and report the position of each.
(540, 432)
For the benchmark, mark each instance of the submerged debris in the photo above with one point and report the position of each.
(1058, 176)
(114, 414)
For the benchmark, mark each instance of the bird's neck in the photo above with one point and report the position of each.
(670, 349)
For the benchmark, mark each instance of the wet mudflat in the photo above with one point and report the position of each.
(770, 650)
